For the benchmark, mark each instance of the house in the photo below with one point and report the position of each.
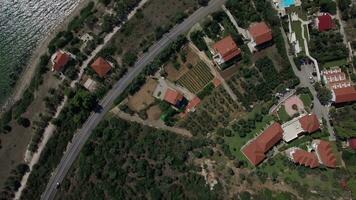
(256, 149)
(342, 89)
(225, 50)
(173, 97)
(294, 128)
(260, 33)
(324, 152)
(324, 22)
(192, 105)
(59, 60)
(352, 143)
(302, 157)
(101, 67)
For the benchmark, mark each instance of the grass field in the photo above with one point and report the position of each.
(296, 27)
(335, 63)
(197, 78)
(307, 101)
(282, 114)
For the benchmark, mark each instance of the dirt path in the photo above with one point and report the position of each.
(156, 124)
(25, 78)
(32, 159)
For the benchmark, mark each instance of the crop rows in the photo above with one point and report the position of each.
(196, 78)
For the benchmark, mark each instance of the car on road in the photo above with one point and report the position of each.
(58, 185)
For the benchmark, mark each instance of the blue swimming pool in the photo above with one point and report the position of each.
(287, 3)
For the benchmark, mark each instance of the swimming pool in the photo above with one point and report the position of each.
(287, 3)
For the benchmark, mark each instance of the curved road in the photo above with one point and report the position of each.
(83, 134)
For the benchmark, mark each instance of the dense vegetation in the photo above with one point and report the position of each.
(12, 184)
(327, 46)
(344, 121)
(125, 160)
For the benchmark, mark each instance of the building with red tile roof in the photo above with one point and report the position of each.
(192, 105)
(352, 143)
(101, 67)
(173, 97)
(294, 128)
(324, 22)
(344, 95)
(302, 157)
(225, 50)
(343, 90)
(59, 60)
(216, 82)
(325, 153)
(260, 33)
(256, 149)
(310, 123)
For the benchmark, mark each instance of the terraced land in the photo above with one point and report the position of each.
(197, 78)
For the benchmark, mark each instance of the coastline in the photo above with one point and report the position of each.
(30, 68)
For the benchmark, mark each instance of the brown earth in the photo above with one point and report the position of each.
(143, 98)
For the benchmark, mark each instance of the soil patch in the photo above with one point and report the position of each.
(143, 98)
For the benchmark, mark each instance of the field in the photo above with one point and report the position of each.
(154, 19)
(143, 98)
(197, 78)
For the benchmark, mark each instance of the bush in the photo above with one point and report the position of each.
(25, 122)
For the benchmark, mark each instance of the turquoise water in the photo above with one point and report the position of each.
(287, 3)
(23, 24)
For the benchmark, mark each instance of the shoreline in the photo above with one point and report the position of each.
(31, 65)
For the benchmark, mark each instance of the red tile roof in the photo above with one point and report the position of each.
(254, 153)
(310, 123)
(227, 48)
(325, 22)
(216, 82)
(192, 104)
(255, 150)
(260, 32)
(325, 153)
(172, 96)
(305, 158)
(347, 94)
(101, 67)
(60, 60)
(352, 143)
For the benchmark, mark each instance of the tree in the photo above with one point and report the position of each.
(324, 94)
(203, 2)
(25, 122)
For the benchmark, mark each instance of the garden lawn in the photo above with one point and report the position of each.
(282, 114)
(307, 101)
(296, 27)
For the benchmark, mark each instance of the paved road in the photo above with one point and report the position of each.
(83, 134)
(320, 110)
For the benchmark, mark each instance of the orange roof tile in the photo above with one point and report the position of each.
(192, 104)
(343, 95)
(260, 32)
(101, 67)
(305, 158)
(326, 154)
(60, 60)
(255, 150)
(227, 48)
(310, 123)
(216, 82)
(254, 153)
(172, 96)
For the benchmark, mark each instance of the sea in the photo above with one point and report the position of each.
(23, 25)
